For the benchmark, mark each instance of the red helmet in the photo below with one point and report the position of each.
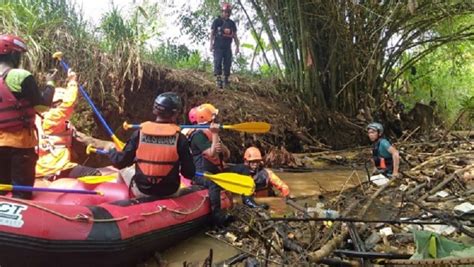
(226, 7)
(10, 44)
(192, 115)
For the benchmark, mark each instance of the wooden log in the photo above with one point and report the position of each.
(445, 182)
(457, 153)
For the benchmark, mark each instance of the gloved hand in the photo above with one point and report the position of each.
(71, 75)
(50, 77)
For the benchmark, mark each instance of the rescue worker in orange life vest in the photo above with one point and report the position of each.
(265, 180)
(160, 152)
(385, 157)
(209, 155)
(56, 134)
(20, 98)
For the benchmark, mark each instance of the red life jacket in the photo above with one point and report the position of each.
(14, 114)
(157, 151)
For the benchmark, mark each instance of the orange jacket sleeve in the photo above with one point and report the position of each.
(278, 183)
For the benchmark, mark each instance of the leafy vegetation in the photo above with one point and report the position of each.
(336, 56)
(445, 76)
(179, 56)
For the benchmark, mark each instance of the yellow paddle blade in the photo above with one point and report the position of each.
(250, 127)
(97, 179)
(233, 182)
(58, 55)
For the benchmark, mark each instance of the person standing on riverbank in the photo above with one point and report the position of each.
(223, 31)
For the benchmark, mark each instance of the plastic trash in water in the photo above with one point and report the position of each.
(379, 179)
(330, 214)
(387, 231)
(464, 208)
(442, 194)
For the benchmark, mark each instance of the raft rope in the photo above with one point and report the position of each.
(78, 218)
(161, 208)
(88, 219)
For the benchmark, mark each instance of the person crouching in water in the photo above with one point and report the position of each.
(385, 157)
(265, 180)
(159, 150)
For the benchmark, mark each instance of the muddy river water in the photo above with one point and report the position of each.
(307, 184)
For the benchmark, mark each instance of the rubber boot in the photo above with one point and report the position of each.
(221, 220)
(219, 82)
(226, 81)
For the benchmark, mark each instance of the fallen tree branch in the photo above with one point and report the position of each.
(334, 243)
(450, 220)
(445, 182)
(457, 153)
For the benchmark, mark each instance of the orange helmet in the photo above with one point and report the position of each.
(252, 154)
(205, 113)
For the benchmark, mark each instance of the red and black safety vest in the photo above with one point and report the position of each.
(157, 151)
(14, 114)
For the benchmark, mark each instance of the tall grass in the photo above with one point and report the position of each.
(179, 56)
(46, 26)
(126, 38)
(105, 61)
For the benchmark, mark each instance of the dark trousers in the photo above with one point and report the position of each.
(17, 167)
(214, 193)
(222, 57)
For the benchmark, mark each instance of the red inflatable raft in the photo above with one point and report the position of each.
(91, 230)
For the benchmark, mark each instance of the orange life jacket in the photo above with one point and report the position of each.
(157, 151)
(15, 114)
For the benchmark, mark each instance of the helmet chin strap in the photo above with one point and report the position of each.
(254, 171)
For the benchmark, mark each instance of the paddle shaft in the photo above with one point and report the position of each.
(190, 126)
(94, 108)
(44, 189)
(197, 126)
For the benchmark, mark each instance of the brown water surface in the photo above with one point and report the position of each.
(302, 185)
